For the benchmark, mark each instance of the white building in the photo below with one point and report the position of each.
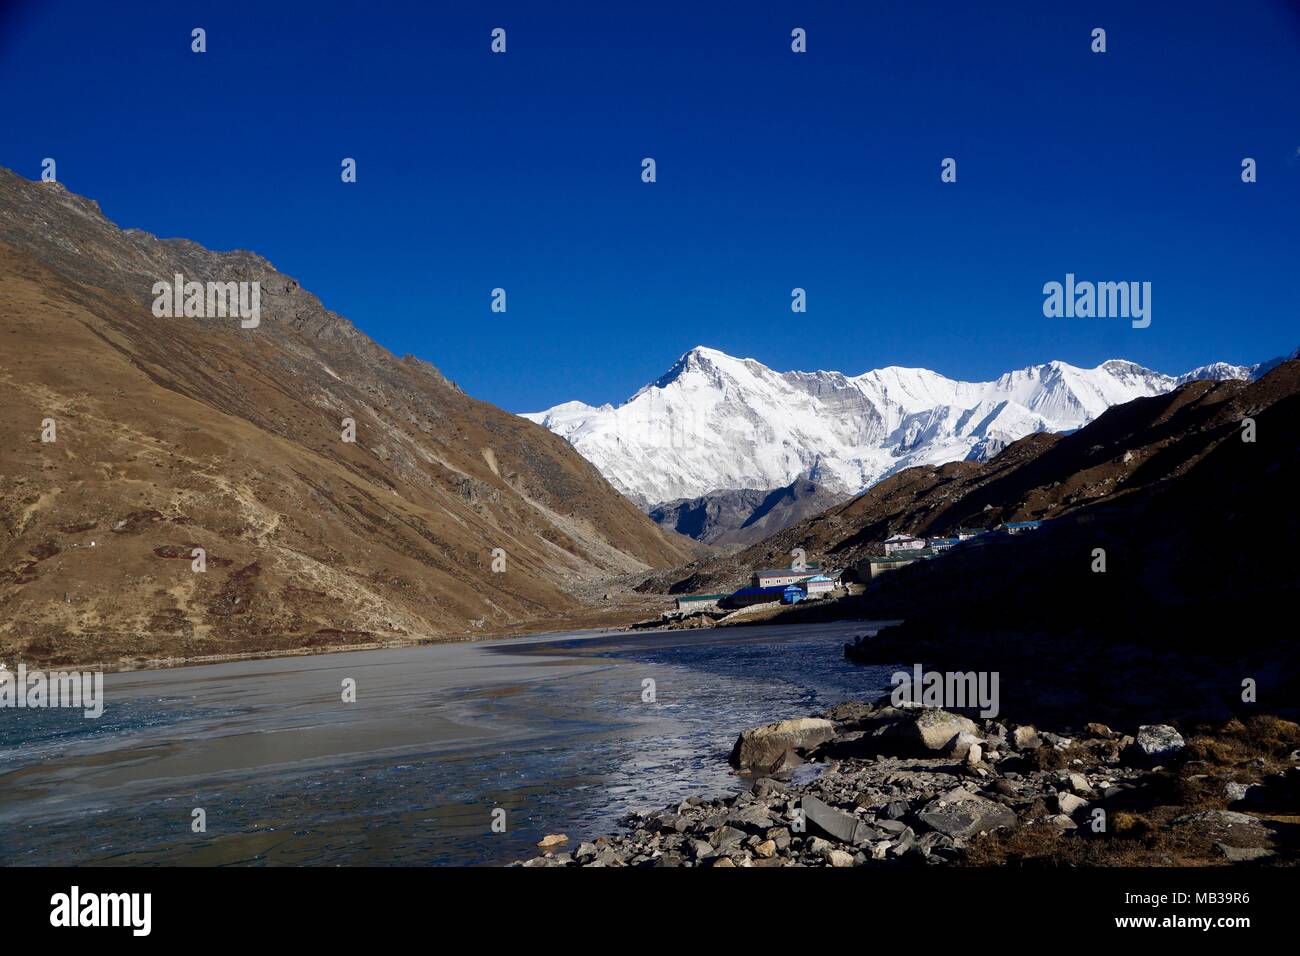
(818, 586)
(903, 542)
(780, 577)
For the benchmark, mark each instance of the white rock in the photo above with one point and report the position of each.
(1159, 740)
(1069, 804)
(838, 858)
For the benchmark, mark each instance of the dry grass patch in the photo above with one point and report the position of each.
(1265, 738)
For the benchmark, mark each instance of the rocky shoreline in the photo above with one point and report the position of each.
(870, 784)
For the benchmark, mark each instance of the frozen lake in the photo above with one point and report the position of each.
(552, 729)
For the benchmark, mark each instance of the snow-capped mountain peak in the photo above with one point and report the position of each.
(714, 421)
(1218, 371)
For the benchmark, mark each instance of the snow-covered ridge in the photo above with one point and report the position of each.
(715, 422)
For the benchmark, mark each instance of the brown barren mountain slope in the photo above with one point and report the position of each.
(176, 433)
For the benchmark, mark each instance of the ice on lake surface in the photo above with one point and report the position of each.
(553, 730)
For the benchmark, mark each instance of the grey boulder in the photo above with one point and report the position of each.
(961, 815)
(1025, 737)
(929, 732)
(765, 747)
(841, 826)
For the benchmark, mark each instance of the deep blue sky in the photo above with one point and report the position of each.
(775, 170)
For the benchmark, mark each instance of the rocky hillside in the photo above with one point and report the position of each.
(177, 433)
(746, 516)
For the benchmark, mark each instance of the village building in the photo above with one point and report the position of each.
(747, 597)
(699, 602)
(903, 542)
(876, 564)
(941, 544)
(787, 585)
(780, 577)
(818, 586)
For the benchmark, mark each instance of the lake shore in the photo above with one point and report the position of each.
(870, 784)
(592, 621)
